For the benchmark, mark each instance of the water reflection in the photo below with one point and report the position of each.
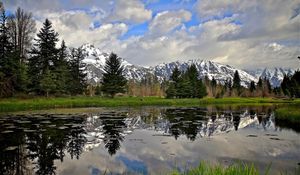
(30, 144)
(110, 128)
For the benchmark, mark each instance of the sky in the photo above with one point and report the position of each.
(247, 34)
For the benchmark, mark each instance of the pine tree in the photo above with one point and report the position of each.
(62, 70)
(187, 84)
(173, 88)
(193, 75)
(237, 82)
(285, 85)
(8, 62)
(113, 80)
(171, 92)
(213, 85)
(47, 82)
(77, 83)
(252, 86)
(175, 75)
(43, 56)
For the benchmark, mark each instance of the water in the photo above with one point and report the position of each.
(146, 140)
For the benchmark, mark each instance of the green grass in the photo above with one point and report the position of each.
(37, 103)
(208, 169)
(290, 113)
(235, 169)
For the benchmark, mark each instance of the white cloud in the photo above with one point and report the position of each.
(257, 33)
(130, 11)
(166, 21)
(76, 28)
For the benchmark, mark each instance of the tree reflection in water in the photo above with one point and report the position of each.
(31, 144)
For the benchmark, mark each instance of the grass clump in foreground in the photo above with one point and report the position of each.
(235, 169)
(37, 103)
(291, 113)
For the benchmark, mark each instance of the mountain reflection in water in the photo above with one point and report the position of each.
(32, 143)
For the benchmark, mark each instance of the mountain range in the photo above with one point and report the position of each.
(95, 61)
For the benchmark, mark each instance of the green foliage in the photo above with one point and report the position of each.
(291, 113)
(78, 82)
(291, 85)
(252, 86)
(235, 169)
(9, 60)
(175, 74)
(113, 80)
(236, 80)
(43, 57)
(62, 70)
(186, 84)
(47, 82)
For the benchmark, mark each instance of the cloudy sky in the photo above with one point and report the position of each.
(243, 33)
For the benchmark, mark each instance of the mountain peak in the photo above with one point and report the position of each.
(274, 75)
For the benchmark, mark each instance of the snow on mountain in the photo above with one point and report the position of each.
(274, 75)
(220, 72)
(95, 61)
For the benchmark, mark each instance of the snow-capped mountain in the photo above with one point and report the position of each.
(95, 61)
(274, 75)
(206, 68)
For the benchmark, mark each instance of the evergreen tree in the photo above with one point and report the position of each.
(252, 86)
(259, 83)
(8, 60)
(47, 82)
(296, 83)
(77, 83)
(291, 85)
(62, 70)
(229, 87)
(175, 77)
(192, 75)
(171, 92)
(43, 56)
(173, 88)
(213, 85)
(237, 82)
(113, 80)
(186, 84)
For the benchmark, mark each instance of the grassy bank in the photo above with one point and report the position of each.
(13, 104)
(235, 169)
(207, 169)
(291, 113)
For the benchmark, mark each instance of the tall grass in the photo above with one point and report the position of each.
(235, 169)
(205, 168)
(290, 113)
(14, 104)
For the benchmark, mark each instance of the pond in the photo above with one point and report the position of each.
(147, 140)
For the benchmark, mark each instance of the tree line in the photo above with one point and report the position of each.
(187, 84)
(36, 65)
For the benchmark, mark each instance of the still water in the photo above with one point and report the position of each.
(146, 140)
